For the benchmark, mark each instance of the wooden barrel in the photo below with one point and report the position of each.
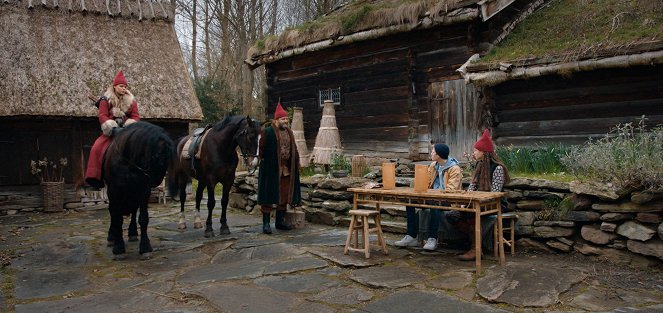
(358, 165)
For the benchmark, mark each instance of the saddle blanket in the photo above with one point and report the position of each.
(193, 144)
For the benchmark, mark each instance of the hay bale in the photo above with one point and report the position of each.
(328, 140)
(298, 132)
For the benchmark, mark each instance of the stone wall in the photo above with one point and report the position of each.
(621, 226)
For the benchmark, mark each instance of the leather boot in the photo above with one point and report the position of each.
(266, 229)
(280, 221)
(471, 254)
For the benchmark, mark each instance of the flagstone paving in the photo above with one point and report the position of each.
(60, 263)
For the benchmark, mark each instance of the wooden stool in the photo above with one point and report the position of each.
(359, 222)
(511, 241)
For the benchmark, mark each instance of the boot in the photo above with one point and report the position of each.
(471, 254)
(266, 229)
(280, 221)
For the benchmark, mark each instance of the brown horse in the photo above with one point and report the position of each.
(217, 164)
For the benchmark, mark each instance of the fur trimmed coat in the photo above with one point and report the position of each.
(109, 115)
(270, 174)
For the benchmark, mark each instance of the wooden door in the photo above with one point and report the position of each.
(455, 115)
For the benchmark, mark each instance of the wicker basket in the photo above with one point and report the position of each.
(53, 196)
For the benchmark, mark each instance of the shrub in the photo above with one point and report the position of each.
(339, 162)
(630, 156)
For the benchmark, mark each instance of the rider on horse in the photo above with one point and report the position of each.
(117, 108)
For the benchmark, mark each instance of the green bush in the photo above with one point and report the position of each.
(339, 162)
(538, 159)
(630, 156)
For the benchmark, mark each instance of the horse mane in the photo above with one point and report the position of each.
(230, 120)
(138, 141)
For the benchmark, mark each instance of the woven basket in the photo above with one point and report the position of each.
(53, 196)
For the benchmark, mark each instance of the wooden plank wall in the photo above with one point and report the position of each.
(23, 140)
(384, 102)
(556, 109)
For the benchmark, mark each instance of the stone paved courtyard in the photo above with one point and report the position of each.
(60, 263)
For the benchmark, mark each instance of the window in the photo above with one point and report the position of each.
(333, 94)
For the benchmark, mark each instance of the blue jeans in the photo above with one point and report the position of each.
(413, 222)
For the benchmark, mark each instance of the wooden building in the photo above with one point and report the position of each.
(56, 52)
(581, 91)
(391, 68)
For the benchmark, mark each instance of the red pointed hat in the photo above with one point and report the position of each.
(485, 143)
(280, 112)
(119, 79)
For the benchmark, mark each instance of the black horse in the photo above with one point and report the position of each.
(217, 164)
(134, 162)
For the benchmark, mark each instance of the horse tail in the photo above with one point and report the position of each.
(175, 173)
(173, 185)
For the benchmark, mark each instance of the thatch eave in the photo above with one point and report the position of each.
(457, 16)
(53, 59)
(157, 10)
(507, 71)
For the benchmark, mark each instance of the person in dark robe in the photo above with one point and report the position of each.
(278, 177)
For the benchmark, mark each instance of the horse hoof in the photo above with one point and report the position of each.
(133, 238)
(119, 257)
(146, 256)
(181, 226)
(109, 243)
(209, 234)
(198, 225)
(224, 231)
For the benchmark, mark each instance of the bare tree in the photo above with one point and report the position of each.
(226, 31)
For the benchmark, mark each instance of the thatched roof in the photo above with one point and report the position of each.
(361, 20)
(594, 35)
(55, 53)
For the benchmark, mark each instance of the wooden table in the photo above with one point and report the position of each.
(478, 202)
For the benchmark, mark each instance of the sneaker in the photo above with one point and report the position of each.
(431, 244)
(407, 241)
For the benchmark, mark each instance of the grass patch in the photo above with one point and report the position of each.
(194, 185)
(537, 159)
(572, 27)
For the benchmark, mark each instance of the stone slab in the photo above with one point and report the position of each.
(236, 297)
(451, 281)
(124, 301)
(342, 296)
(602, 299)
(40, 284)
(424, 302)
(304, 283)
(220, 272)
(295, 265)
(387, 276)
(57, 255)
(335, 237)
(525, 286)
(335, 255)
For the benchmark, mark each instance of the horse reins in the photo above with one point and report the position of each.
(245, 156)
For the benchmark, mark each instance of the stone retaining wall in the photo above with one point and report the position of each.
(621, 226)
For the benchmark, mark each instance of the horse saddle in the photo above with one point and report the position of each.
(192, 146)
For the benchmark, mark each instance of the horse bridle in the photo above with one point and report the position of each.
(245, 156)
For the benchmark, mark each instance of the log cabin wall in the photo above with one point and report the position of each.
(23, 140)
(569, 110)
(384, 109)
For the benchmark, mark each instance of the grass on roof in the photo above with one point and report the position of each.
(580, 27)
